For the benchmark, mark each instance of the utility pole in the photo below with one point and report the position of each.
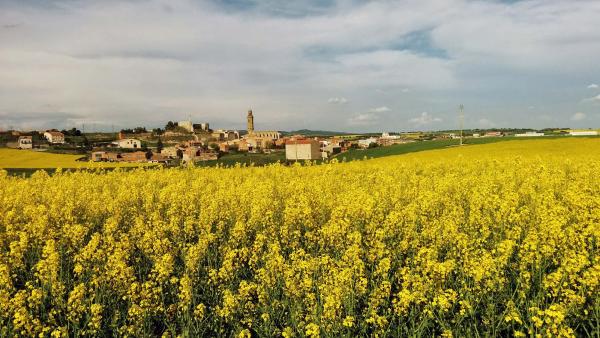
(462, 121)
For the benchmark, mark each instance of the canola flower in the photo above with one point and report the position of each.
(491, 240)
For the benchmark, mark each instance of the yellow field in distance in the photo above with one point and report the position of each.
(25, 159)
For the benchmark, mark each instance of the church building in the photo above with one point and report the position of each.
(259, 139)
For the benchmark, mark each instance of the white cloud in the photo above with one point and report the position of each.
(593, 86)
(371, 117)
(592, 99)
(393, 68)
(424, 119)
(363, 119)
(337, 100)
(578, 117)
(482, 30)
(405, 90)
(381, 109)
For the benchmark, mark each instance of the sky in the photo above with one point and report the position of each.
(343, 65)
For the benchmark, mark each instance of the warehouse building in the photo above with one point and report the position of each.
(302, 149)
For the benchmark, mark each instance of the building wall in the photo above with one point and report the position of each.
(275, 135)
(25, 143)
(129, 143)
(302, 151)
(98, 156)
(138, 156)
(529, 134)
(169, 152)
(54, 138)
(187, 125)
(366, 142)
(584, 133)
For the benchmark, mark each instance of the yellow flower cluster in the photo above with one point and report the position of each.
(491, 240)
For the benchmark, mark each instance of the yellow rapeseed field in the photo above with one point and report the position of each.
(491, 240)
(14, 158)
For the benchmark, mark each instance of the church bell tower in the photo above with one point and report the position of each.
(250, 122)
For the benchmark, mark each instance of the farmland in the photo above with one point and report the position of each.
(27, 159)
(399, 149)
(497, 239)
(245, 159)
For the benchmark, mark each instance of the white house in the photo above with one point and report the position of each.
(169, 152)
(367, 142)
(128, 143)
(387, 135)
(225, 135)
(302, 149)
(55, 137)
(25, 142)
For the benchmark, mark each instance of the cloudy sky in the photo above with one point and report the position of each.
(344, 65)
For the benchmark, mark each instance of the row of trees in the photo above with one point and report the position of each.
(170, 126)
(136, 130)
(71, 132)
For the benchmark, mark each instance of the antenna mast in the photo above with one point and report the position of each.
(462, 121)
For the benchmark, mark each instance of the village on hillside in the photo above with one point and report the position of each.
(186, 142)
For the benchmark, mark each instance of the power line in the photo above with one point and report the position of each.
(462, 120)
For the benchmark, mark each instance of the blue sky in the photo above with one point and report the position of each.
(320, 64)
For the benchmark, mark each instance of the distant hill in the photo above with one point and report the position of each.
(309, 132)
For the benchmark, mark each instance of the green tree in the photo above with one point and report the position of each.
(171, 125)
(86, 143)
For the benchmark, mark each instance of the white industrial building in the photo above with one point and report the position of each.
(584, 133)
(530, 134)
(302, 149)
